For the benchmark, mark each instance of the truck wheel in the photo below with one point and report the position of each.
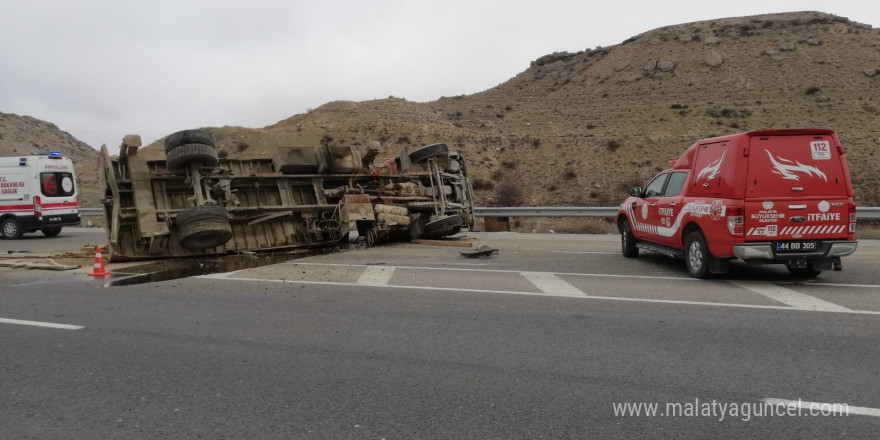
(51, 232)
(427, 152)
(203, 227)
(183, 155)
(804, 272)
(627, 241)
(188, 137)
(11, 229)
(696, 255)
(449, 225)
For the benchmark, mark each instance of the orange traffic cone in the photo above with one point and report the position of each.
(99, 270)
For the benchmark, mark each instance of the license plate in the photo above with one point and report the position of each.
(796, 246)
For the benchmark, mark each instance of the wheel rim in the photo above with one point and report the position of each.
(695, 256)
(9, 229)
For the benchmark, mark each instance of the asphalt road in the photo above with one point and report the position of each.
(412, 341)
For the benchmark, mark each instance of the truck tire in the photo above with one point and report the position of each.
(427, 152)
(51, 232)
(203, 227)
(188, 137)
(449, 225)
(183, 155)
(10, 228)
(804, 272)
(627, 241)
(696, 255)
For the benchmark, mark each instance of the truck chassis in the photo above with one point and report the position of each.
(195, 203)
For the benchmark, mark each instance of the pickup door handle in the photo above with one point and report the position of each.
(672, 204)
(652, 204)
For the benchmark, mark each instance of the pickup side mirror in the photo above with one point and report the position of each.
(636, 192)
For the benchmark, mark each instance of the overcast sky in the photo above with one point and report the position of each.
(101, 69)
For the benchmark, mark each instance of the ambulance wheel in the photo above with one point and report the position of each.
(51, 232)
(203, 227)
(627, 241)
(11, 229)
(183, 155)
(188, 137)
(445, 226)
(804, 272)
(427, 152)
(696, 255)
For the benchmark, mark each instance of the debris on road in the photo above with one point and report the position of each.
(480, 250)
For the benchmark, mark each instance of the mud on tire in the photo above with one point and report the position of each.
(427, 152)
(183, 155)
(203, 227)
(449, 225)
(188, 137)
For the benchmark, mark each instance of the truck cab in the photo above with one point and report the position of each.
(765, 197)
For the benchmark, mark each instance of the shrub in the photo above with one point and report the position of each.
(241, 146)
(482, 185)
(508, 193)
(813, 90)
(612, 145)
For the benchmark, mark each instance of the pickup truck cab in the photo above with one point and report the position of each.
(765, 197)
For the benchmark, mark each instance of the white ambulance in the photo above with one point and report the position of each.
(37, 193)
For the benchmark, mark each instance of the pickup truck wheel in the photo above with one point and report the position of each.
(427, 152)
(696, 255)
(627, 241)
(11, 229)
(183, 155)
(50, 232)
(449, 225)
(203, 227)
(804, 272)
(188, 137)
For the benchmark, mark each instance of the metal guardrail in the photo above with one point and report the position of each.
(862, 212)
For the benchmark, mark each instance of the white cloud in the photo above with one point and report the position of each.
(101, 69)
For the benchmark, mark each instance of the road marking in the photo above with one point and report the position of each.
(41, 324)
(513, 292)
(376, 276)
(552, 284)
(844, 408)
(787, 296)
(600, 275)
(586, 252)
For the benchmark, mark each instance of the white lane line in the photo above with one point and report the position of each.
(586, 252)
(787, 296)
(818, 407)
(552, 284)
(598, 275)
(376, 276)
(514, 292)
(41, 324)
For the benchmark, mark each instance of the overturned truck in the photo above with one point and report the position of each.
(196, 203)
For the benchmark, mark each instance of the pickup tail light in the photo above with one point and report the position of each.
(735, 220)
(852, 219)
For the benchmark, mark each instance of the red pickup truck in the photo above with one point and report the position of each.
(765, 197)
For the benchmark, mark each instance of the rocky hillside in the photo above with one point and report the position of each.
(581, 128)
